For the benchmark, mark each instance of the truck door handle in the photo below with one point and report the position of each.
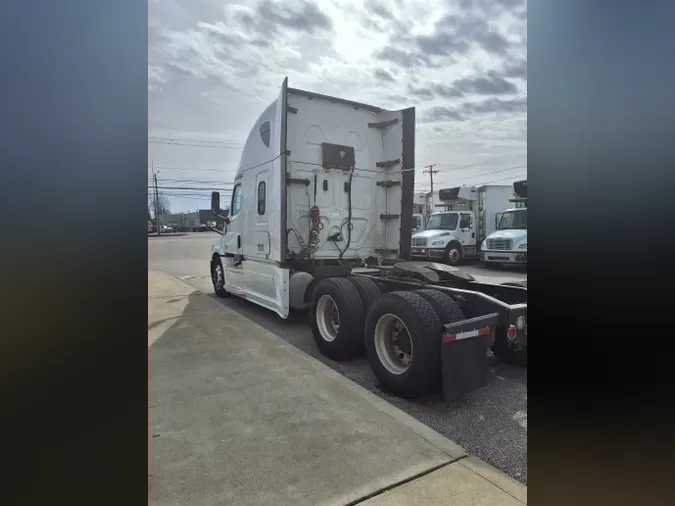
(238, 241)
(473, 234)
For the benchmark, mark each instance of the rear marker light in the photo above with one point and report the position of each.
(520, 322)
(448, 338)
(511, 333)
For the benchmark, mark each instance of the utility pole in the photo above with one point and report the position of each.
(430, 170)
(154, 175)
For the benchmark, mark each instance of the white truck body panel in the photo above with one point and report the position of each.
(319, 121)
(492, 200)
(270, 212)
(508, 246)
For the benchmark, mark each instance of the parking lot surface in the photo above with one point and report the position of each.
(490, 423)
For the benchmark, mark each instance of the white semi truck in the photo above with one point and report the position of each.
(508, 244)
(320, 219)
(456, 234)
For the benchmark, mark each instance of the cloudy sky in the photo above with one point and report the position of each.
(215, 65)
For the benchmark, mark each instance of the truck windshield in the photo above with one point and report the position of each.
(514, 220)
(446, 221)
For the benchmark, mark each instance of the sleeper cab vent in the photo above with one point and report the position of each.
(336, 156)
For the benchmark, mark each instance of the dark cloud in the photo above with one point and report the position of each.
(434, 90)
(302, 16)
(424, 93)
(383, 75)
(453, 35)
(516, 70)
(378, 8)
(512, 4)
(404, 58)
(488, 84)
(441, 44)
(470, 109)
(492, 42)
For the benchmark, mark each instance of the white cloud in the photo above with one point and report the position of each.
(462, 63)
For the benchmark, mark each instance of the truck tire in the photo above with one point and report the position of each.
(336, 318)
(218, 278)
(447, 310)
(409, 368)
(453, 253)
(368, 291)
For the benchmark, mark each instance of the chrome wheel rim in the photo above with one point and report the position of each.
(393, 344)
(453, 255)
(327, 318)
(218, 277)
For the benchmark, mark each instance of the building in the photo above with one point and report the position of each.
(180, 221)
(206, 216)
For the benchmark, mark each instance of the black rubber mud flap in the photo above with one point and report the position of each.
(348, 342)
(464, 355)
(423, 373)
(368, 291)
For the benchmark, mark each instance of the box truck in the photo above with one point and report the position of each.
(508, 244)
(470, 215)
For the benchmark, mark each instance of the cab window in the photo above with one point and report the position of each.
(236, 200)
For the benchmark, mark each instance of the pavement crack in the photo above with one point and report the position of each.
(402, 482)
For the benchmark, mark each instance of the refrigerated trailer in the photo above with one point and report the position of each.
(464, 218)
(320, 218)
(508, 244)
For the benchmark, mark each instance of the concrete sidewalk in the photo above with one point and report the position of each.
(238, 416)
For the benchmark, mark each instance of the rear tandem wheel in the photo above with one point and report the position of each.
(403, 345)
(336, 318)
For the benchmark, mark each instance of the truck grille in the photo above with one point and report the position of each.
(499, 244)
(419, 241)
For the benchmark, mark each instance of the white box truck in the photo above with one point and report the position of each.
(470, 215)
(320, 219)
(508, 244)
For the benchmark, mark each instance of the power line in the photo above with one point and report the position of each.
(192, 188)
(165, 167)
(459, 167)
(207, 141)
(502, 178)
(485, 174)
(169, 143)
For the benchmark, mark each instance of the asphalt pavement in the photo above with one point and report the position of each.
(490, 423)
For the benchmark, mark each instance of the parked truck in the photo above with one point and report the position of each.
(508, 244)
(320, 218)
(456, 233)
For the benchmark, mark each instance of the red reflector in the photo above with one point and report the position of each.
(511, 333)
(448, 338)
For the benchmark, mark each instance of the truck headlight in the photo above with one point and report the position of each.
(438, 243)
(523, 246)
(483, 245)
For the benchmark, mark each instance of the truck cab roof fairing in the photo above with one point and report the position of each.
(256, 150)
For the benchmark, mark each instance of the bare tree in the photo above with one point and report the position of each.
(162, 205)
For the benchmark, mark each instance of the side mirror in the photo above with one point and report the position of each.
(215, 202)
